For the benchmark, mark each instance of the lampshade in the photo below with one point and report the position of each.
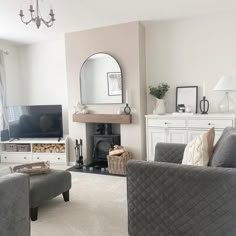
(226, 83)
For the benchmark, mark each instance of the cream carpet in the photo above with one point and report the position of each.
(97, 207)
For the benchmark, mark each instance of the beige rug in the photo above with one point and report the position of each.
(97, 207)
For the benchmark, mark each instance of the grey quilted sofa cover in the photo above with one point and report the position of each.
(166, 198)
(14, 204)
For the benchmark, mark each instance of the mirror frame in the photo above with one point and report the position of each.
(122, 96)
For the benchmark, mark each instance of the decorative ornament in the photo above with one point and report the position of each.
(204, 105)
(80, 109)
(127, 109)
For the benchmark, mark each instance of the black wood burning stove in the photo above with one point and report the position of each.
(102, 144)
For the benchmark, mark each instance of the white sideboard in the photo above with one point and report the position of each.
(19, 156)
(182, 128)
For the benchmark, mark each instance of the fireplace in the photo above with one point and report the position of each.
(102, 144)
(103, 140)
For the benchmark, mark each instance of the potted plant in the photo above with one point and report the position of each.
(159, 93)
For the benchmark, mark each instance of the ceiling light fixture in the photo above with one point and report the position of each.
(36, 16)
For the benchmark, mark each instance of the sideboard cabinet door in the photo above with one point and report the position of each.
(154, 136)
(176, 136)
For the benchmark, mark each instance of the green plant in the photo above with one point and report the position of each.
(159, 91)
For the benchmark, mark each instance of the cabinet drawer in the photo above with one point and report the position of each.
(166, 123)
(52, 158)
(15, 157)
(218, 124)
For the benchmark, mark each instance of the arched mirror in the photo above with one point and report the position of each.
(101, 80)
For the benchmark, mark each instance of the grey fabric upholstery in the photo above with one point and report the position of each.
(169, 199)
(47, 186)
(224, 154)
(14, 205)
(169, 152)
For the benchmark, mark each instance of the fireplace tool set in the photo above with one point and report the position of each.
(79, 154)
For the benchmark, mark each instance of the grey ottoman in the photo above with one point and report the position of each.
(47, 186)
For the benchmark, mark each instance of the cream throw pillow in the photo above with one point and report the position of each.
(199, 151)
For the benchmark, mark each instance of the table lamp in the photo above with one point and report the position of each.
(226, 83)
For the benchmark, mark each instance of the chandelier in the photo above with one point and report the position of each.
(36, 16)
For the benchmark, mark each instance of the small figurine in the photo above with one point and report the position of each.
(80, 109)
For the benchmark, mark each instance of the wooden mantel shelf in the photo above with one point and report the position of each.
(102, 118)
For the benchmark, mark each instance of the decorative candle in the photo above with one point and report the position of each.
(126, 97)
(204, 88)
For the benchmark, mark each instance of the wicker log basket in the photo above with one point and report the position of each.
(117, 160)
(32, 168)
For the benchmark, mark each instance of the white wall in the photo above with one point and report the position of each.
(43, 75)
(186, 52)
(13, 83)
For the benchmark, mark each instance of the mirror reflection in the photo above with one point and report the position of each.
(101, 80)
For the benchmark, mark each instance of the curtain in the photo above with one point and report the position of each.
(3, 115)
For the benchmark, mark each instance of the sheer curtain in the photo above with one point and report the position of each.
(3, 116)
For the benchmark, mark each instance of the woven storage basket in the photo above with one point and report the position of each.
(23, 147)
(32, 168)
(11, 148)
(118, 164)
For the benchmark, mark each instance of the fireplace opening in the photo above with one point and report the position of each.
(104, 139)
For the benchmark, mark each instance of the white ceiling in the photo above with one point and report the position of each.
(75, 15)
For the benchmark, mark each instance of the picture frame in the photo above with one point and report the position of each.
(114, 83)
(187, 96)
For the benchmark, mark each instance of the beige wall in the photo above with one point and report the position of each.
(186, 52)
(126, 43)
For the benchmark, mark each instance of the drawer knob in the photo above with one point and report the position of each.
(165, 123)
(58, 158)
(37, 157)
(5, 157)
(209, 123)
(24, 157)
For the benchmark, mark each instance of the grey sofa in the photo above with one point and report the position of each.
(167, 198)
(14, 204)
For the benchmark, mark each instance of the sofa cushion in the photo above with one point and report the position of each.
(199, 150)
(224, 154)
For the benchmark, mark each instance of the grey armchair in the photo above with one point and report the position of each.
(170, 199)
(14, 205)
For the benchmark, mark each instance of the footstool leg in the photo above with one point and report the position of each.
(66, 196)
(34, 213)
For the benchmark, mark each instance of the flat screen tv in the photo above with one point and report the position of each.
(43, 121)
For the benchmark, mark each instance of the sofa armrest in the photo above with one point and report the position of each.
(169, 152)
(175, 199)
(14, 205)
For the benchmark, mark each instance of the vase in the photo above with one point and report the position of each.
(160, 107)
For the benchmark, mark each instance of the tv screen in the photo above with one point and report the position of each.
(43, 121)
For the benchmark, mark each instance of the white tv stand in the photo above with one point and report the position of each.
(40, 149)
